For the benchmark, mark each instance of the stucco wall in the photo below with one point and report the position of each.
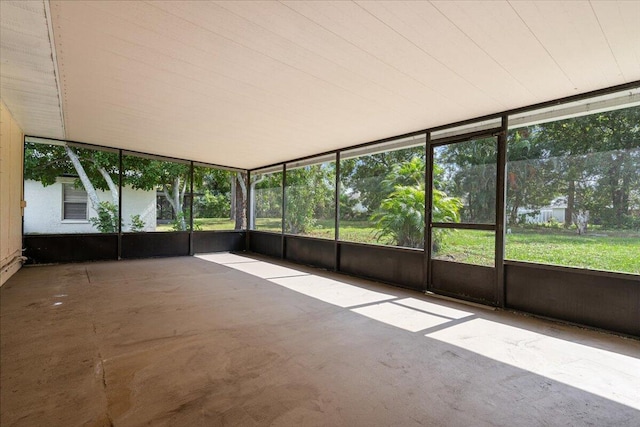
(43, 214)
(11, 143)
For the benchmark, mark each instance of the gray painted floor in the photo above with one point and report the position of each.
(230, 340)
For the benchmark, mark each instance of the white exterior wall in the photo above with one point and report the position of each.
(558, 214)
(43, 214)
(544, 215)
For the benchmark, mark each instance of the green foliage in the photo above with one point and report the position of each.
(365, 175)
(592, 161)
(309, 196)
(210, 205)
(268, 195)
(212, 189)
(107, 219)
(350, 209)
(180, 222)
(45, 163)
(470, 171)
(137, 224)
(401, 215)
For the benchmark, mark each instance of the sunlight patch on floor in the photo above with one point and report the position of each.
(261, 269)
(588, 368)
(332, 291)
(401, 317)
(431, 308)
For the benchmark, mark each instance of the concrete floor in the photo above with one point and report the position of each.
(224, 339)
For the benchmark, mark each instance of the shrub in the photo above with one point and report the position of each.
(107, 219)
(137, 224)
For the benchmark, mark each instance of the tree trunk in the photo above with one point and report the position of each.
(112, 186)
(240, 202)
(252, 214)
(179, 196)
(86, 182)
(568, 212)
(233, 207)
(175, 200)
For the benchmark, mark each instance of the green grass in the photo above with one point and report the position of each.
(269, 224)
(599, 250)
(351, 231)
(468, 246)
(204, 224)
(614, 251)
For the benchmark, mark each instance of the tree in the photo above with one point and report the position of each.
(309, 196)
(364, 176)
(93, 169)
(596, 164)
(266, 196)
(99, 170)
(529, 174)
(469, 172)
(240, 201)
(401, 215)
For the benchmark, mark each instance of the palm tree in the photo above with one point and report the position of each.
(401, 215)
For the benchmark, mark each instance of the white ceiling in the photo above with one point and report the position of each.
(246, 84)
(28, 83)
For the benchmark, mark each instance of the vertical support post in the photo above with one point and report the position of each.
(120, 174)
(428, 188)
(501, 211)
(337, 215)
(284, 208)
(248, 215)
(191, 174)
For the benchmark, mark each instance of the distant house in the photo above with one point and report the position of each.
(555, 210)
(63, 208)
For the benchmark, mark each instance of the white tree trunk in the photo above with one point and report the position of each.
(112, 186)
(252, 213)
(175, 200)
(86, 182)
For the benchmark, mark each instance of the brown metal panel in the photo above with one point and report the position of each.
(61, 248)
(266, 243)
(149, 245)
(309, 251)
(466, 281)
(218, 241)
(607, 301)
(400, 267)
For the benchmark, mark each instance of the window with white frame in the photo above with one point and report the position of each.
(74, 202)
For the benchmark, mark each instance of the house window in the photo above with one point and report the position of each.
(75, 202)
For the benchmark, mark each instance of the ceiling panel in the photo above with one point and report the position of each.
(571, 34)
(246, 84)
(620, 24)
(27, 74)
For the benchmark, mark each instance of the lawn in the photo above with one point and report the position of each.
(600, 250)
(203, 224)
(614, 251)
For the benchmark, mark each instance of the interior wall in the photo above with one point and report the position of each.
(11, 149)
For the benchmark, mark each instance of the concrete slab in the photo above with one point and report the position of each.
(225, 339)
